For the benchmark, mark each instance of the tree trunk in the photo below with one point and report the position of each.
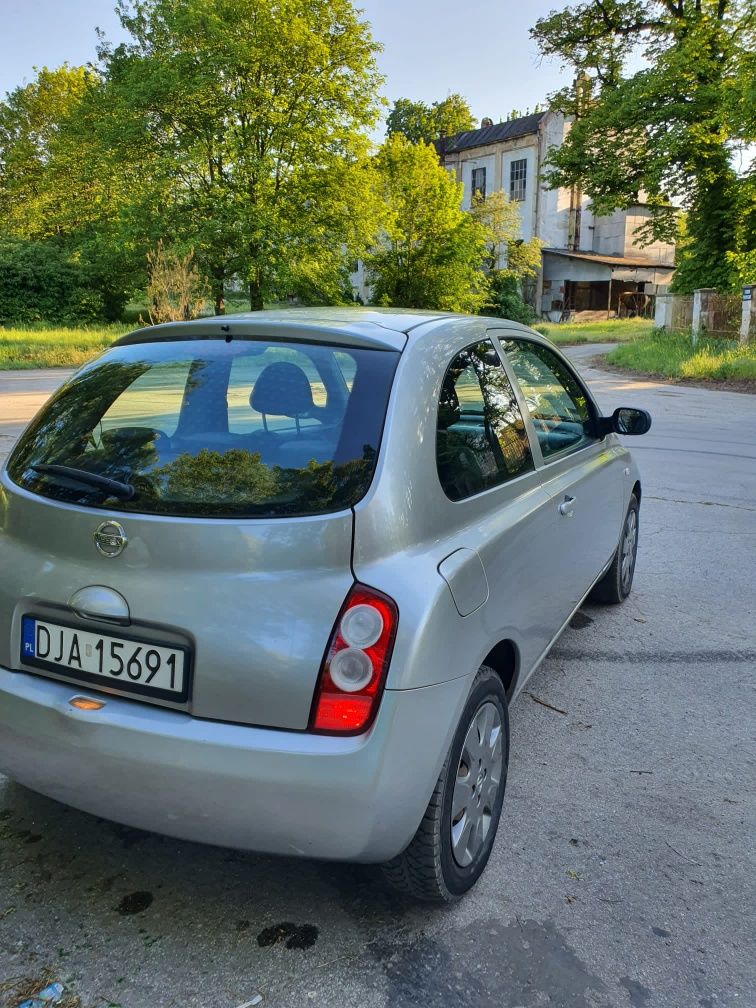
(218, 291)
(255, 295)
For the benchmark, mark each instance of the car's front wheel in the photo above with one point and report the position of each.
(615, 585)
(454, 840)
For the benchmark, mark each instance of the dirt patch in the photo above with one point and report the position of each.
(719, 384)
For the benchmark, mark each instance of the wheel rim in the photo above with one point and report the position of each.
(477, 784)
(629, 543)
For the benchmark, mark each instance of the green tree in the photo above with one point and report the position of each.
(247, 121)
(500, 220)
(667, 131)
(431, 251)
(417, 121)
(53, 187)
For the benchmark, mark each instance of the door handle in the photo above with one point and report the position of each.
(567, 505)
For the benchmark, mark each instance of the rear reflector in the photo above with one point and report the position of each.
(352, 678)
(337, 712)
(86, 703)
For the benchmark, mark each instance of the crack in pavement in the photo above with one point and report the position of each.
(663, 657)
(676, 500)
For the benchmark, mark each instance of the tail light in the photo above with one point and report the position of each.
(354, 669)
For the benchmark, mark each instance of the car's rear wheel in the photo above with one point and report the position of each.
(616, 584)
(453, 842)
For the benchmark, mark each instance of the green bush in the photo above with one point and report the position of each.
(41, 282)
(505, 300)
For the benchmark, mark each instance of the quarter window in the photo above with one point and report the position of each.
(518, 177)
(557, 403)
(481, 439)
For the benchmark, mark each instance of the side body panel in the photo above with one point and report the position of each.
(539, 564)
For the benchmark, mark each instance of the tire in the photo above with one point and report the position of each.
(435, 867)
(617, 583)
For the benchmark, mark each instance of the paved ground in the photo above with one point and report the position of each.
(624, 870)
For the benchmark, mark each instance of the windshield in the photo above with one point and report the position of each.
(204, 428)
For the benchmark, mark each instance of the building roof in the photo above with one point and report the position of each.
(492, 134)
(608, 260)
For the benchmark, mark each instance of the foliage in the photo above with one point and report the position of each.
(255, 166)
(505, 299)
(431, 250)
(41, 281)
(417, 121)
(53, 184)
(175, 291)
(500, 219)
(672, 355)
(237, 128)
(667, 131)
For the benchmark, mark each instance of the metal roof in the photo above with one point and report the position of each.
(608, 260)
(493, 134)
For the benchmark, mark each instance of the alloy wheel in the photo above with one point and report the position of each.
(629, 541)
(477, 784)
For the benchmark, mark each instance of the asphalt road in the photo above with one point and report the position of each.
(623, 874)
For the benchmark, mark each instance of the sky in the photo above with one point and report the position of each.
(479, 48)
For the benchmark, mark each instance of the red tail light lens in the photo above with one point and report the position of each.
(354, 669)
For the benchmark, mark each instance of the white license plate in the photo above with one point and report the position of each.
(137, 666)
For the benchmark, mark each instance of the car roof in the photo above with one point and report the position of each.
(373, 327)
(376, 328)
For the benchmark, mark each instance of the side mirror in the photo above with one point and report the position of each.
(626, 420)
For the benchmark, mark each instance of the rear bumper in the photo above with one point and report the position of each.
(280, 792)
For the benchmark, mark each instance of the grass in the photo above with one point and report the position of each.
(49, 347)
(609, 331)
(672, 355)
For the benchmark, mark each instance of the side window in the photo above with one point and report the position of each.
(481, 439)
(556, 401)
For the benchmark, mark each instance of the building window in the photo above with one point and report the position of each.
(478, 185)
(518, 173)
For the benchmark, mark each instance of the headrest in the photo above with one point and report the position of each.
(282, 389)
(448, 406)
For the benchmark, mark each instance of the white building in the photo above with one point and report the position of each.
(588, 261)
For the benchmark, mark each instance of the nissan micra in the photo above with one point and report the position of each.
(272, 580)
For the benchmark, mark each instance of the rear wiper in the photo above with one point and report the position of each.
(124, 491)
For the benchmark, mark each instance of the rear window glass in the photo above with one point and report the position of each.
(248, 428)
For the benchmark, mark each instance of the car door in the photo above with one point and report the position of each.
(581, 473)
(487, 466)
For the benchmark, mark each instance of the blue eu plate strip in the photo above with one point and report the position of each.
(27, 636)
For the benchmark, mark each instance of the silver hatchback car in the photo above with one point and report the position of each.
(272, 580)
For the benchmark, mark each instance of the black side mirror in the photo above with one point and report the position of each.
(626, 420)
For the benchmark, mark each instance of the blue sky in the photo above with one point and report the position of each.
(431, 47)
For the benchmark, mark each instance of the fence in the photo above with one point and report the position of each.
(724, 316)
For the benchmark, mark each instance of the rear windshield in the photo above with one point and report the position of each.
(205, 428)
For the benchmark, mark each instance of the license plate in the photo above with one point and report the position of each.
(136, 666)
